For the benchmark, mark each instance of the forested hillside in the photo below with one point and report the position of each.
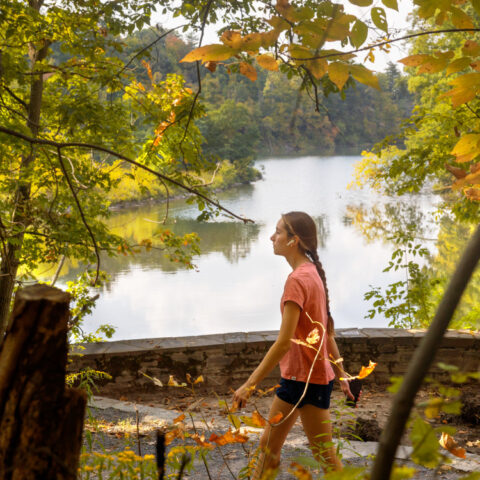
(273, 115)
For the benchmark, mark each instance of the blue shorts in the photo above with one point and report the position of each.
(290, 391)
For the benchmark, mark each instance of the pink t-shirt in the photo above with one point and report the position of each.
(305, 287)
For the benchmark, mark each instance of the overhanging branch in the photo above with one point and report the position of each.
(61, 145)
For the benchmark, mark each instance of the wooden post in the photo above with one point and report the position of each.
(41, 421)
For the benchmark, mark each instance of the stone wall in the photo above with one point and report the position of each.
(226, 360)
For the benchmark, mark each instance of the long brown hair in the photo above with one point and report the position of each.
(303, 226)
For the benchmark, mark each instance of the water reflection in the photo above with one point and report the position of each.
(240, 281)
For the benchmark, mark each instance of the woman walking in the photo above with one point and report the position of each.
(305, 299)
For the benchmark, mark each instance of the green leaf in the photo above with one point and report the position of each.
(359, 33)
(476, 5)
(425, 444)
(393, 4)
(361, 3)
(379, 18)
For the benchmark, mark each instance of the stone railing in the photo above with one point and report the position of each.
(226, 360)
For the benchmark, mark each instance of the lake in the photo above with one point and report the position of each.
(239, 280)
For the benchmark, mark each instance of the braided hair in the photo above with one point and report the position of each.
(303, 226)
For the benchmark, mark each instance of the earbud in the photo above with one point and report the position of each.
(290, 243)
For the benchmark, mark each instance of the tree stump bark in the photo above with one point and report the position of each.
(41, 421)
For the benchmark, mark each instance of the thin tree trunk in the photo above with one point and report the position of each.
(41, 421)
(422, 360)
(20, 217)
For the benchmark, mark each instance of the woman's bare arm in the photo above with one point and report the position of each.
(276, 352)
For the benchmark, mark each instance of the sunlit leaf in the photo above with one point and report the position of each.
(466, 88)
(199, 379)
(458, 65)
(449, 443)
(267, 61)
(299, 471)
(200, 440)
(467, 148)
(301, 342)
(252, 42)
(379, 18)
(228, 438)
(248, 70)
(364, 75)
(366, 371)
(359, 33)
(433, 65)
(276, 418)
(313, 337)
(472, 194)
(215, 52)
(256, 420)
(338, 73)
(232, 38)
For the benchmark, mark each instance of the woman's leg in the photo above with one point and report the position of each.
(273, 438)
(318, 428)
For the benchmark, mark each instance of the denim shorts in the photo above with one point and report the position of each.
(290, 391)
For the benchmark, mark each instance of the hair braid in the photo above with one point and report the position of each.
(318, 264)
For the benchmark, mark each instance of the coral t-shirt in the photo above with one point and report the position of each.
(305, 288)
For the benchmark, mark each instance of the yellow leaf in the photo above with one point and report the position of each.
(199, 380)
(470, 47)
(232, 38)
(366, 371)
(415, 60)
(208, 53)
(460, 19)
(256, 420)
(318, 67)
(299, 52)
(299, 471)
(458, 65)
(248, 70)
(449, 443)
(252, 42)
(364, 75)
(433, 65)
(267, 62)
(338, 73)
(172, 382)
(301, 342)
(467, 148)
(433, 407)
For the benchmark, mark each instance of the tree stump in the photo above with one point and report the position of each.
(41, 421)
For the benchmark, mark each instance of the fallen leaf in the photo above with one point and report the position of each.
(449, 443)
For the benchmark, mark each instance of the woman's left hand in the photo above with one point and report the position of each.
(345, 386)
(240, 397)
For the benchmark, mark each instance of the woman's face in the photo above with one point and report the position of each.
(280, 238)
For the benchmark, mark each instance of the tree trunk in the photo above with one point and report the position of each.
(422, 359)
(41, 421)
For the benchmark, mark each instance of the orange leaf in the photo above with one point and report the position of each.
(313, 337)
(299, 471)
(199, 380)
(200, 439)
(276, 418)
(457, 172)
(366, 371)
(249, 71)
(212, 66)
(179, 418)
(415, 60)
(472, 194)
(449, 443)
(228, 437)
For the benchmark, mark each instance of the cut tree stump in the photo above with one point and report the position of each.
(41, 421)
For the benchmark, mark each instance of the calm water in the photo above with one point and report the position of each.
(240, 281)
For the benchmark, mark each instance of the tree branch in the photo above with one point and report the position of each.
(84, 220)
(99, 148)
(386, 42)
(422, 359)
